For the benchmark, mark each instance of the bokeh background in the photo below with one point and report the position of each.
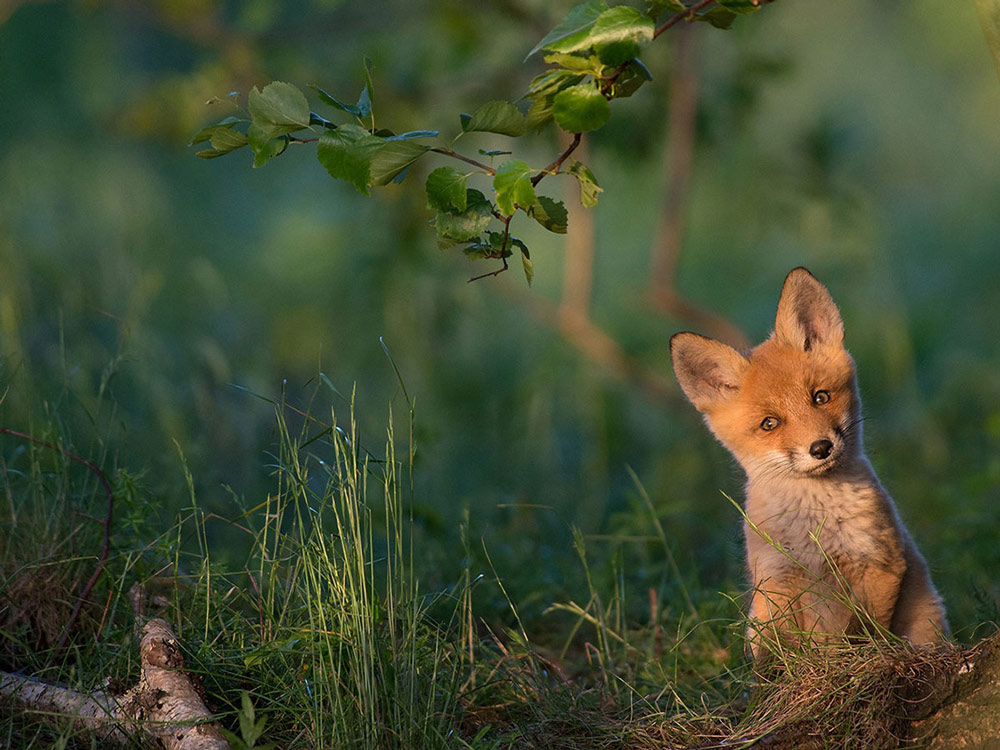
(149, 299)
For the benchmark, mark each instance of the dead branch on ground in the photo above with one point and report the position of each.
(164, 707)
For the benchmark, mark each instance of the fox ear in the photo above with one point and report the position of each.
(807, 315)
(707, 370)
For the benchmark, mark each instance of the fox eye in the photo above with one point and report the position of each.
(821, 397)
(769, 423)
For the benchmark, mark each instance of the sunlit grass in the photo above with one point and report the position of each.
(325, 631)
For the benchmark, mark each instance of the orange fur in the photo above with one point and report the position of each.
(825, 547)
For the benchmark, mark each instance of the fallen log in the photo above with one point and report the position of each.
(164, 709)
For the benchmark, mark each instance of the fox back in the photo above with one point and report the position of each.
(826, 551)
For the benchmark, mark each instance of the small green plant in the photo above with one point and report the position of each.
(251, 729)
(592, 57)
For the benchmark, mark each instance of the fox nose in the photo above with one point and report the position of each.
(820, 449)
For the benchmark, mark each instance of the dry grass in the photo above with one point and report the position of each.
(862, 696)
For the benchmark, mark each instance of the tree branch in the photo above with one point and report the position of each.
(598, 346)
(455, 155)
(553, 168)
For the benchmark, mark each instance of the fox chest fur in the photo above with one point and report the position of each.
(826, 551)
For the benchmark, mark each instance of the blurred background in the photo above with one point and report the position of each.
(148, 298)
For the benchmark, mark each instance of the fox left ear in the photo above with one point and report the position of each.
(807, 315)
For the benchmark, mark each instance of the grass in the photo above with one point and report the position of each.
(323, 637)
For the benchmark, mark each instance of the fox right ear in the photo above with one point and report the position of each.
(707, 370)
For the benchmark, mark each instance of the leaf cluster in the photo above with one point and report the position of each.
(592, 57)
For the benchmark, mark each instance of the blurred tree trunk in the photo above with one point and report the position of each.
(678, 167)
(578, 269)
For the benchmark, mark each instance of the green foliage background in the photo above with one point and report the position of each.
(145, 295)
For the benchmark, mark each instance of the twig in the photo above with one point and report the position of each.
(502, 254)
(455, 155)
(491, 273)
(682, 15)
(105, 522)
(553, 168)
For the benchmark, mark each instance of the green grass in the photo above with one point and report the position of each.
(324, 638)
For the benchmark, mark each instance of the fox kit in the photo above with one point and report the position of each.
(823, 539)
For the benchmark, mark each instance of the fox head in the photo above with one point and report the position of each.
(789, 407)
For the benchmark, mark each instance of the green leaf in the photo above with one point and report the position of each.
(512, 183)
(392, 158)
(494, 152)
(278, 110)
(656, 7)
(227, 139)
(529, 269)
(412, 135)
(331, 100)
(580, 109)
(552, 82)
(463, 226)
(634, 76)
(347, 153)
(719, 17)
(989, 19)
(368, 94)
(539, 113)
(589, 189)
(542, 93)
(495, 117)
(550, 213)
(572, 32)
(315, 119)
(570, 61)
(223, 138)
(210, 153)
(268, 151)
(446, 190)
(364, 105)
(206, 133)
(247, 718)
(618, 33)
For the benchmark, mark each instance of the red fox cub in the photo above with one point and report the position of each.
(823, 539)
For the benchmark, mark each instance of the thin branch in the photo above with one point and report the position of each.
(455, 155)
(503, 251)
(682, 15)
(553, 168)
(105, 522)
(491, 273)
